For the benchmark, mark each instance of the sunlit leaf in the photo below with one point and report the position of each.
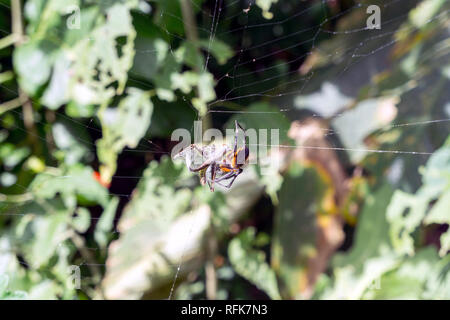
(123, 126)
(250, 263)
(106, 223)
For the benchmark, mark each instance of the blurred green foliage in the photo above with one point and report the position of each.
(86, 181)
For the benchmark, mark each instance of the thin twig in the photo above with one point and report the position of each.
(6, 76)
(8, 41)
(16, 16)
(16, 198)
(210, 270)
(189, 22)
(12, 104)
(27, 107)
(28, 121)
(79, 242)
(190, 28)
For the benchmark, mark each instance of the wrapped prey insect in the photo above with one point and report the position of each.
(219, 165)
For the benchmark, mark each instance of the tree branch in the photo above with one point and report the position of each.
(27, 107)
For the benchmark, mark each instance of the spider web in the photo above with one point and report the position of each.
(247, 77)
(239, 73)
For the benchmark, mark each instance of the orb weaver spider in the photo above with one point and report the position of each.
(222, 163)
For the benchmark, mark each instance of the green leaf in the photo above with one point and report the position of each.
(372, 231)
(7, 179)
(46, 290)
(425, 11)
(184, 81)
(445, 243)
(438, 281)
(153, 233)
(11, 156)
(148, 52)
(101, 61)
(72, 141)
(204, 83)
(123, 126)
(77, 181)
(439, 211)
(106, 223)
(408, 280)
(4, 279)
(162, 78)
(170, 12)
(82, 220)
(219, 49)
(326, 102)
(189, 54)
(295, 228)
(57, 92)
(16, 295)
(365, 118)
(33, 66)
(88, 16)
(405, 213)
(250, 263)
(206, 91)
(371, 255)
(262, 116)
(75, 110)
(5, 294)
(48, 233)
(436, 174)
(265, 7)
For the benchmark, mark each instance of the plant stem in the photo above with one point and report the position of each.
(15, 103)
(87, 255)
(6, 76)
(189, 22)
(16, 16)
(210, 270)
(8, 41)
(27, 107)
(211, 241)
(28, 120)
(16, 198)
(192, 36)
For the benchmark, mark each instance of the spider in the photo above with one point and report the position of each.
(222, 163)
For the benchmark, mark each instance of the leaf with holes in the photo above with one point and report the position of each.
(123, 126)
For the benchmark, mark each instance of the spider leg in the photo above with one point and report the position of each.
(193, 146)
(213, 176)
(236, 134)
(243, 151)
(204, 165)
(245, 134)
(232, 175)
(191, 156)
(232, 181)
(226, 177)
(201, 167)
(222, 185)
(228, 186)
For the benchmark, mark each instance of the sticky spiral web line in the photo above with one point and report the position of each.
(258, 94)
(232, 73)
(355, 52)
